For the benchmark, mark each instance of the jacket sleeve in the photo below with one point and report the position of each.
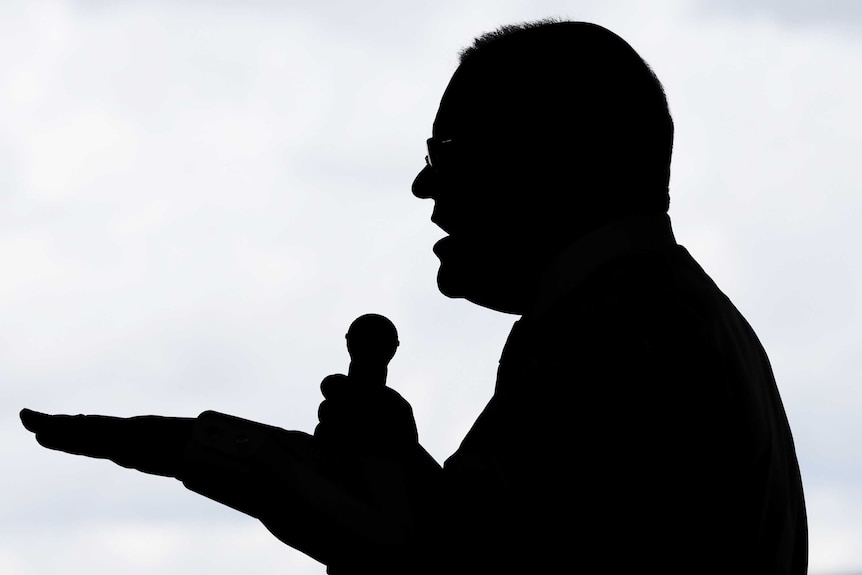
(333, 507)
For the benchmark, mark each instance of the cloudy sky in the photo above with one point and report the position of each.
(197, 198)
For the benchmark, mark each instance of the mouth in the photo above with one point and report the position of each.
(439, 221)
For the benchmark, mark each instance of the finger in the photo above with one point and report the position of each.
(91, 435)
(154, 444)
(53, 425)
(33, 420)
(324, 411)
(334, 386)
(338, 414)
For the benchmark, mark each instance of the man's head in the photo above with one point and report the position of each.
(545, 132)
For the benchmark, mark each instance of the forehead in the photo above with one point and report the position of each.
(469, 106)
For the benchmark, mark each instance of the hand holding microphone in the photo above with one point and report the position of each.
(328, 495)
(359, 412)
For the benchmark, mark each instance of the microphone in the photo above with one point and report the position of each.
(371, 342)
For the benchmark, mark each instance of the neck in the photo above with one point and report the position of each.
(582, 257)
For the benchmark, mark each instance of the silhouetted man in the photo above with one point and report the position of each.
(635, 426)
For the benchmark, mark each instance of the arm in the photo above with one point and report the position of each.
(353, 495)
(335, 505)
(323, 502)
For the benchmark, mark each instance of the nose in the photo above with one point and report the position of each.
(423, 184)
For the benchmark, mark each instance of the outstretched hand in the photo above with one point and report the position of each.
(148, 443)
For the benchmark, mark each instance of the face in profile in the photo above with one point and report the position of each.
(457, 213)
(534, 145)
(486, 255)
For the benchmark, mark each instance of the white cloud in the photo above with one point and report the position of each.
(201, 200)
(159, 547)
(834, 13)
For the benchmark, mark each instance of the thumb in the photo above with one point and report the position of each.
(335, 386)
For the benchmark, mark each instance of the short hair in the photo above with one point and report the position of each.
(581, 89)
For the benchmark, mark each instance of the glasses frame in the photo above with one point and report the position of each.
(434, 148)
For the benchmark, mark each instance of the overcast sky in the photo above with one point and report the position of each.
(197, 198)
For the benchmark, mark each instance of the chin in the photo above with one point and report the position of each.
(452, 283)
(468, 282)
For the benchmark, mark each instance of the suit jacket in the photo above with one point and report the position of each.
(636, 425)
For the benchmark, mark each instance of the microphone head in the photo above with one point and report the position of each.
(372, 338)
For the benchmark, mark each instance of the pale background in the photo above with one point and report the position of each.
(197, 198)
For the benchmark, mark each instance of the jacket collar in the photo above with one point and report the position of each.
(636, 233)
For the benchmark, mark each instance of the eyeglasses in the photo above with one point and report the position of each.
(468, 153)
(439, 153)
